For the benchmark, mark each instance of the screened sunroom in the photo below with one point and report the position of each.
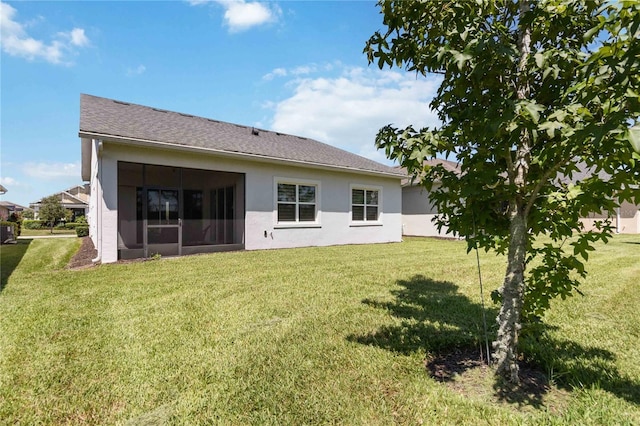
(172, 211)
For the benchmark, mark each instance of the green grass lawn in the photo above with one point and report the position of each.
(45, 232)
(300, 336)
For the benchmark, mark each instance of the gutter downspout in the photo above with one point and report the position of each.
(98, 258)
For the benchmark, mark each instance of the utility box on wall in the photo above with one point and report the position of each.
(6, 234)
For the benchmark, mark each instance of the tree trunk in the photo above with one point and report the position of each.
(505, 347)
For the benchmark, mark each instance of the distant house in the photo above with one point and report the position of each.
(75, 199)
(172, 183)
(7, 207)
(418, 211)
(624, 219)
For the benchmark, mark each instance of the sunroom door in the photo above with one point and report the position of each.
(163, 224)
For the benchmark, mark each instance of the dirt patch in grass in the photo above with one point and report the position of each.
(83, 256)
(466, 373)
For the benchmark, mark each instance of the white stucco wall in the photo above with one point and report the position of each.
(625, 220)
(334, 225)
(94, 205)
(417, 214)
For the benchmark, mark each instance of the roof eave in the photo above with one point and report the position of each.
(230, 154)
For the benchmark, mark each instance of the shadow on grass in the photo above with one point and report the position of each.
(445, 325)
(434, 317)
(10, 257)
(572, 366)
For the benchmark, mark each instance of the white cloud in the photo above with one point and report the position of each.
(16, 42)
(78, 37)
(304, 70)
(348, 110)
(277, 72)
(136, 71)
(300, 70)
(14, 187)
(9, 181)
(52, 170)
(241, 15)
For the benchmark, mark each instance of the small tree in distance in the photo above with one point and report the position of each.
(531, 92)
(51, 211)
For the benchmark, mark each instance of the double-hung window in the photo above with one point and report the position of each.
(297, 202)
(365, 204)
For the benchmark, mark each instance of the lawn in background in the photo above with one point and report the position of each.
(46, 232)
(300, 336)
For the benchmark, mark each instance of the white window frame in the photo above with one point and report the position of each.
(365, 222)
(297, 223)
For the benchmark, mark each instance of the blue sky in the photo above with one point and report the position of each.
(291, 66)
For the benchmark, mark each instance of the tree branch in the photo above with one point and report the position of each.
(541, 182)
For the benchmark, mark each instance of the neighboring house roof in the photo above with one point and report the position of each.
(12, 206)
(581, 174)
(102, 118)
(451, 166)
(76, 196)
(80, 193)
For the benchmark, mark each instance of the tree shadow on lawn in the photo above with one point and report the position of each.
(10, 257)
(573, 366)
(434, 318)
(446, 325)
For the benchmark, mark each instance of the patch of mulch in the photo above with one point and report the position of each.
(447, 366)
(82, 259)
(464, 371)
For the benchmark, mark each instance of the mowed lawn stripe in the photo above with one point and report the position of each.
(298, 336)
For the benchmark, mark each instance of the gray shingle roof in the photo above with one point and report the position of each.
(123, 120)
(446, 164)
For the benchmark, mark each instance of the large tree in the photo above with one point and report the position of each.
(532, 93)
(51, 210)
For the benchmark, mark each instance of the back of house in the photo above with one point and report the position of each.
(170, 183)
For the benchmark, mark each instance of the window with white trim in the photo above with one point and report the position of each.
(297, 202)
(365, 204)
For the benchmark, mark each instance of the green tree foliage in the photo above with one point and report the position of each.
(532, 92)
(17, 219)
(51, 211)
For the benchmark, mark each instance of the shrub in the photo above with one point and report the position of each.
(71, 225)
(81, 219)
(32, 224)
(82, 230)
(28, 214)
(15, 218)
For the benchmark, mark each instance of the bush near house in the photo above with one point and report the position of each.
(28, 214)
(32, 224)
(82, 230)
(73, 225)
(17, 219)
